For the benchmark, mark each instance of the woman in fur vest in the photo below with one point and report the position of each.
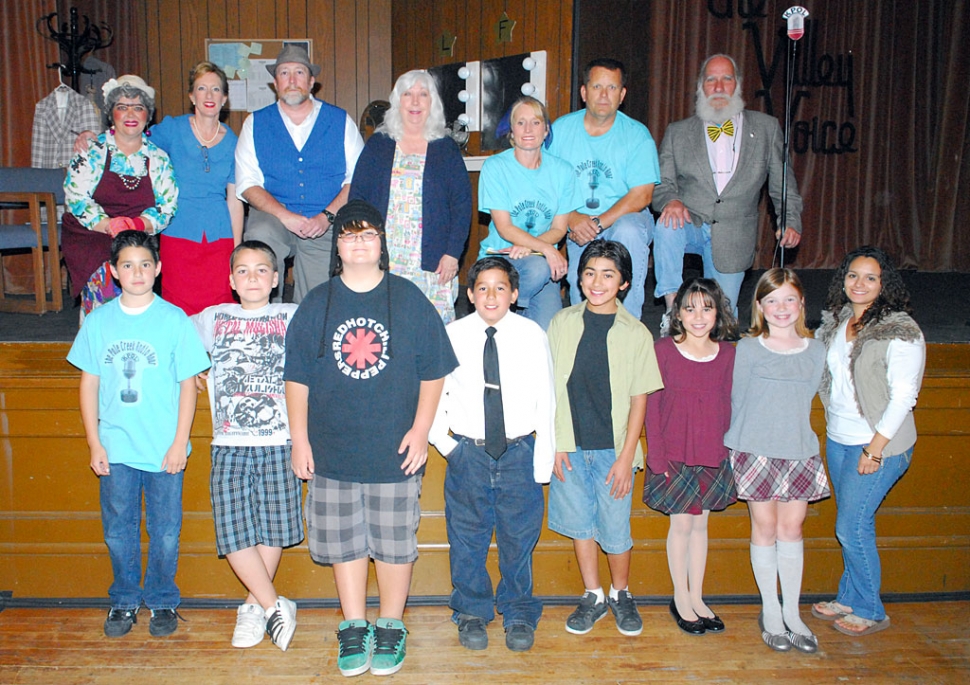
(874, 367)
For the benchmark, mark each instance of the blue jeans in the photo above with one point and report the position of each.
(481, 495)
(669, 247)
(121, 495)
(539, 297)
(857, 498)
(635, 231)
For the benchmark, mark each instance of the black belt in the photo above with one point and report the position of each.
(480, 442)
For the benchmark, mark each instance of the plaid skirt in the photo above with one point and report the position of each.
(690, 489)
(763, 479)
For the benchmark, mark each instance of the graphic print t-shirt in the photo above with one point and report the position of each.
(606, 166)
(140, 360)
(363, 359)
(246, 382)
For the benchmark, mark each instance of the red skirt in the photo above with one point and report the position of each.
(195, 275)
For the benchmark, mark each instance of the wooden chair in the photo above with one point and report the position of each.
(33, 188)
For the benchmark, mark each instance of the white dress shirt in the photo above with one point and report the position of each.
(248, 172)
(528, 395)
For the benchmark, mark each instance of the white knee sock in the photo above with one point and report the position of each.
(791, 559)
(764, 562)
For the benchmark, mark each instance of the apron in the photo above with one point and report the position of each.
(86, 252)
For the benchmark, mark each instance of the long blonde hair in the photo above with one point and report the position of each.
(770, 281)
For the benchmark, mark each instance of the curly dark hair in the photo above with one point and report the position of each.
(725, 325)
(894, 296)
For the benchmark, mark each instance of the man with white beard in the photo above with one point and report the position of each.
(294, 162)
(713, 166)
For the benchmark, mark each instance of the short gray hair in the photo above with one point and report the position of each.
(737, 69)
(126, 91)
(393, 124)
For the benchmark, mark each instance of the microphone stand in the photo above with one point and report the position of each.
(795, 16)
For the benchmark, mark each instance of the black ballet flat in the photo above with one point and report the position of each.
(689, 627)
(712, 625)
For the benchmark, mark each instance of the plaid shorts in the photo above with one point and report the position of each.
(347, 521)
(763, 479)
(255, 497)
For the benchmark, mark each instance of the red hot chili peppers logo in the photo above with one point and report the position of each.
(360, 347)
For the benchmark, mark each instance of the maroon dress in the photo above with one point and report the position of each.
(86, 251)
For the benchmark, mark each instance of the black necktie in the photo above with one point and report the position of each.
(494, 414)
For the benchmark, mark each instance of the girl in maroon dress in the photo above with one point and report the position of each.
(689, 473)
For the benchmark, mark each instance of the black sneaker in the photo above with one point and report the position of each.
(163, 622)
(624, 609)
(586, 614)
(519, 637)
(119, 622)
(471, 632)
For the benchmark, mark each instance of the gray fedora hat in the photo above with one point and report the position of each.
(293, 53)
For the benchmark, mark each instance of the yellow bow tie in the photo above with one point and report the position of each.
(727, 128)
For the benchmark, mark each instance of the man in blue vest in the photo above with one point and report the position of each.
(294, 163)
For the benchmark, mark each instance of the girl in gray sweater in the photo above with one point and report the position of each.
(774, 451)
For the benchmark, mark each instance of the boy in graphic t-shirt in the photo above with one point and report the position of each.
(366, 358)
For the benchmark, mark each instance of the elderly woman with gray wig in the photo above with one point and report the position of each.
(121, 182)
(414, 173)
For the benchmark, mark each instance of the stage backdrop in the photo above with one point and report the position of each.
(881, 105)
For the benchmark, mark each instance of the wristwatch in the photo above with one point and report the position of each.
(330, 215)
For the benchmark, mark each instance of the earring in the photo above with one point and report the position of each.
(111, 130)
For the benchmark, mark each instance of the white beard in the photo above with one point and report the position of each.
(707, 112)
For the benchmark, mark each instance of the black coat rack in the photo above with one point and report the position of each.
(75, 44)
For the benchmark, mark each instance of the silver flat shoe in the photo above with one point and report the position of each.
(776, 641)
(803, 643)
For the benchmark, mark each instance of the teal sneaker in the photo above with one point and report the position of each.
(390, 637)
(356, 640)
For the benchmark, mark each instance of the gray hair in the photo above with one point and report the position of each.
(393, 124)
(126, 91)
(737, 70)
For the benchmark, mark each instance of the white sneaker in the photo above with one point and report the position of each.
(250, 626)
(665, 324)
(281, 622)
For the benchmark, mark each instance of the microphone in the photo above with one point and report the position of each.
(795, 16)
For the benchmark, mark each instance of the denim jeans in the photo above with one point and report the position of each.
(669, 247)
(539, 297)
(857, 498)
(481, 495)
(121, 495)
(635, 231)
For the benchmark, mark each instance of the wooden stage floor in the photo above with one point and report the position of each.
(927, 643)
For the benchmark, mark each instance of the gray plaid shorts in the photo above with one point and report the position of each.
(348, 521)
(255, 498)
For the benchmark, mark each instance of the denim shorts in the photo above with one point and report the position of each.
(582, 507)
(347, 521)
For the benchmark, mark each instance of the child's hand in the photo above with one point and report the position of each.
(621, 474)
(200, 380)
(301, 460)
(415, 445)
(561, 458)
(99, 462)
(175, 459)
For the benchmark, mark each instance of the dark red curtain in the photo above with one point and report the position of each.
(879, 134)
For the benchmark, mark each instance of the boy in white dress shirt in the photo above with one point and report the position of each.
(496, 466)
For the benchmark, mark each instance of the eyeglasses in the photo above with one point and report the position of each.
(138, 109)
(366, 236)
(205, 158)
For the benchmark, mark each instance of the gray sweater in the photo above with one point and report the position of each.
(771, 401)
